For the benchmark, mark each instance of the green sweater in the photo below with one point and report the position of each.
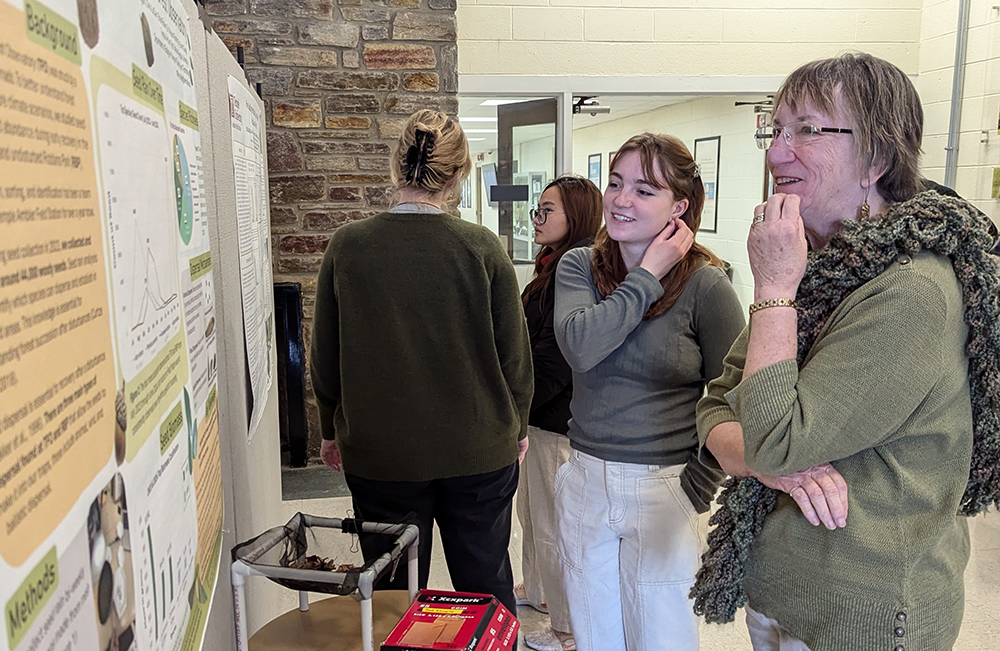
(883, 395)
(420, 358)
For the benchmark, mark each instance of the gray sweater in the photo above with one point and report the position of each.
(635, 382)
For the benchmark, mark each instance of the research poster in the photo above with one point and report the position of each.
(110, 478)
(254, 233)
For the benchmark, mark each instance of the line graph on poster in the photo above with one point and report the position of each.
(153, 303)
(138, 164)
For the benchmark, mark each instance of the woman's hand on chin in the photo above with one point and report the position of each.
(777, 249)
(668, 248)
(820, 492)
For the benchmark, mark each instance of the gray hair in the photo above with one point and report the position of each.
(883, 106)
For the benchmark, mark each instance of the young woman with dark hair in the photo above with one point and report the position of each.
(644, 318)
(568, 216)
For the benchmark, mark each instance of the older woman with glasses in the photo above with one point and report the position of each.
(567, 217)
(869, 376)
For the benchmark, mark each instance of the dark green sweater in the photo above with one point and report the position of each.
(420, 358)
(883, 395)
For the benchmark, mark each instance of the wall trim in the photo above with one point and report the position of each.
(625, 85)
(564, 87)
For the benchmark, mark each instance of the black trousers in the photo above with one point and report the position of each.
(473, 514)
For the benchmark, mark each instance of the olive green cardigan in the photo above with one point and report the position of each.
(420, 357)
(884, 396)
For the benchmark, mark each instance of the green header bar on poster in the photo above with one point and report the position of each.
(144, 87)
(189, 116)
(52, 31)
(30, 598)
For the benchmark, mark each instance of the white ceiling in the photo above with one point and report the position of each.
(621, 106)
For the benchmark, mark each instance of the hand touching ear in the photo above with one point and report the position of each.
(668, 248)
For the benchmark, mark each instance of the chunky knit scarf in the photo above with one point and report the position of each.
(858, 254)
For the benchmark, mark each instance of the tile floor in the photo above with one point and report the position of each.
(980, 628)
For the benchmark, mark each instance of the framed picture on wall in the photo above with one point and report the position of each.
(706, 155)
(594, 169)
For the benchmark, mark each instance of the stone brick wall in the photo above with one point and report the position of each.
(338, 78)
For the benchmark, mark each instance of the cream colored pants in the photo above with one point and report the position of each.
(630, 542)
(543, 582)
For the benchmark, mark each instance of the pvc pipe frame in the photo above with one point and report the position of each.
(240, 571)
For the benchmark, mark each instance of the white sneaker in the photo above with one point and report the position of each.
(546, 640)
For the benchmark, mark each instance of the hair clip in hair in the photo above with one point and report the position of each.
(412, 156)
(697, 169)
(418, 154)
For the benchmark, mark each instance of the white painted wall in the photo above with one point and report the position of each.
(679, 37)
(981, 105)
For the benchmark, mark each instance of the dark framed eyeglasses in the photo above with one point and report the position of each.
(541, 215)
(795, 134)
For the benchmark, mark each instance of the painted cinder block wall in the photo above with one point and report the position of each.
(981, 91)
(679, 37)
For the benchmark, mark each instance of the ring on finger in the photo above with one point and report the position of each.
(795, 489)
(757, 218)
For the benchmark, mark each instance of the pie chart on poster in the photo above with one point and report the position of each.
(182, 187)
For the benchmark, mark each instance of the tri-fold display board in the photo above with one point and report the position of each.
(110, 481)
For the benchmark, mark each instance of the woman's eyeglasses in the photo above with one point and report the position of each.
(540, 215)
(795, 134)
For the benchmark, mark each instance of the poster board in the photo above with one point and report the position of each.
(110, 481)
(254, 233)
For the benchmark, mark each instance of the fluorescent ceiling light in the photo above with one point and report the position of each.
(480, 130)
(501, 102)
(477, 119)
(476, 139)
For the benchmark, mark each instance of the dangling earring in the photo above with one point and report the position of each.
(866, 210)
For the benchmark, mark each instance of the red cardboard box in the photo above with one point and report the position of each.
(454, 621)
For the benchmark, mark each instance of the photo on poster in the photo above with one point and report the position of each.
(112, 577)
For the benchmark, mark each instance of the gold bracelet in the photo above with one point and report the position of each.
(772, 302)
